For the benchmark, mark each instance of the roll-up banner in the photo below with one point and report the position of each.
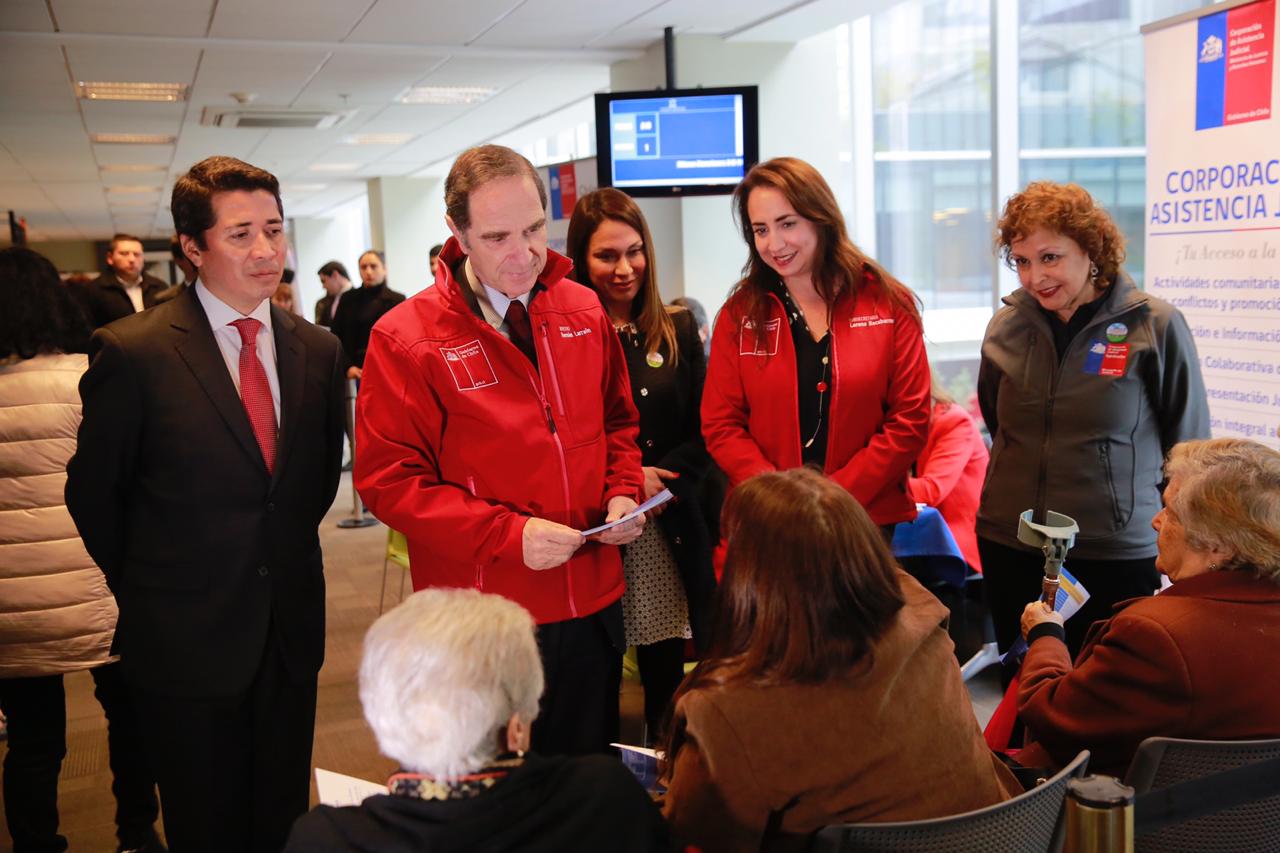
(1213, 201)
(565, 183)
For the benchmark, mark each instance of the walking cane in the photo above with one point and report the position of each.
(357, 517)
(1054, 535)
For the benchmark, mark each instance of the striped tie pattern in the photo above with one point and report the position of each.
(255, 393)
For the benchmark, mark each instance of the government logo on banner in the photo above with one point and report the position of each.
(1233, 74)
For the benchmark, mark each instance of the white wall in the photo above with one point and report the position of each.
(342, 236)
(406, 218)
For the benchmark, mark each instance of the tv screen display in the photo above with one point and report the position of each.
(678, 142)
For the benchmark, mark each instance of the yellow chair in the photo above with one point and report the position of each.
(398, 553)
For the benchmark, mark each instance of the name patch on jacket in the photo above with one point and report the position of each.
(750, 343)
(1106, 359)
(469, 365)
(569, 332)
(865, 320)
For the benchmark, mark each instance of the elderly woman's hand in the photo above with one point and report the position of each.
(1037, 612)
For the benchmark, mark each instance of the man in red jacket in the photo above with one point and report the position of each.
(494, 423)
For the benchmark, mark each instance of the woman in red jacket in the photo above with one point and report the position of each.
(818, 356)
(950, 471)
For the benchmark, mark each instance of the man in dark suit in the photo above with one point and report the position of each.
(124, 288)
(336, 282)
(183, 263)
(203, 516)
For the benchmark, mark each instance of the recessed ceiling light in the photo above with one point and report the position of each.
(132, 167)
(446, 94)
(131, 138)
(334, 167)
(377, 139)
(100, 91)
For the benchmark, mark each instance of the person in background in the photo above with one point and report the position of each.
(818, 356)
(434, 257)
(1085, 384)
(449, 682)
(699, 317)
(184, 265)
(283, 297)
(58, 615)
(495, 424)
(206, 459)
(336, 283)
(359, 309)
(125, 288)
(1196, 661)
(831, 691)
(950, 470)
(668, 569)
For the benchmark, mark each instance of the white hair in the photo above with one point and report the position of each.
(1229, 499)
(443, 673)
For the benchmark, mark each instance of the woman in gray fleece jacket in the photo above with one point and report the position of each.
(1085, 384)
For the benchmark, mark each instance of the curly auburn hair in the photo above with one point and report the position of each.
(1067, 209)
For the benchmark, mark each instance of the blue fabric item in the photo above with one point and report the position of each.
(929, 539)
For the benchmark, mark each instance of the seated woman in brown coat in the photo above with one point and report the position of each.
(830, 692)
(1197, 660)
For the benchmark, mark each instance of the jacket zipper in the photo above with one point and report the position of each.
(1038, 511)
(555, 435)
(833, 382)
(1104, 453)
(471, 487)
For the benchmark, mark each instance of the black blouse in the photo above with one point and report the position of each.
(813, 378)
(668, 398)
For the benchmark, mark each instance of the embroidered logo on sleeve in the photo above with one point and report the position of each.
(749, 343)
(470, 366)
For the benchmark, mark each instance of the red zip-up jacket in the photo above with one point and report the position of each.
(460, 440)
(879, 399)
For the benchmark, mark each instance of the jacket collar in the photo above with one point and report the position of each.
(556, 268)
(1123, 296)
(1227, 585)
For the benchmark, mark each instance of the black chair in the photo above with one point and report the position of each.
(1029, 823)
(1161, 762)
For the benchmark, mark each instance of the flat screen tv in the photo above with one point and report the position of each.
(676, 142)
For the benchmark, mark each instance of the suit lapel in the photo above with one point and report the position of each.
(200, 351)
(291, 368)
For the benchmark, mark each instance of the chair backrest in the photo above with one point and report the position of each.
(1029, 823)
(1161, 762)
(397, 548)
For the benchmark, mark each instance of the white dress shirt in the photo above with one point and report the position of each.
(493, 303)
(221, 315)
(134, 292)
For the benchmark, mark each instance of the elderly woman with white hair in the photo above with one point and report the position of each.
(450, 682)
(1198, 660)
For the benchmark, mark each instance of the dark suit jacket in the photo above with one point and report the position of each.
(105, 300)
(201, 546)
(323, 307)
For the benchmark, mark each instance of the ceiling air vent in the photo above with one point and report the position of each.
(273, 117)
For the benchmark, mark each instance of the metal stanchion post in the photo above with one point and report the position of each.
(357, 517)
(1099, 816)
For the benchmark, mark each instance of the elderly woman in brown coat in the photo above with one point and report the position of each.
(58, 615)
(1198, 660)
(830, 692)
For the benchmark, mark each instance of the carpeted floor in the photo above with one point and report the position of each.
(343, 743)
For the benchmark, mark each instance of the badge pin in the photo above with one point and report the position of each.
(1117, 332)
(654, 359)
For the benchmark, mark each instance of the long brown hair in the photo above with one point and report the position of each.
(653, 318)
(839, 265)
(809, 585)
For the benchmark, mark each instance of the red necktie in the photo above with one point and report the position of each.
(520, 331)
(255, 393)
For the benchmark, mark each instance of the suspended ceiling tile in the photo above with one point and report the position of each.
(159, 155)
(116, 62)
(314, 20)
(366, 78)
(134, 17)
(275, 77)
(29, 16)
(563, 23)
(415, 22)
(132, 117)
